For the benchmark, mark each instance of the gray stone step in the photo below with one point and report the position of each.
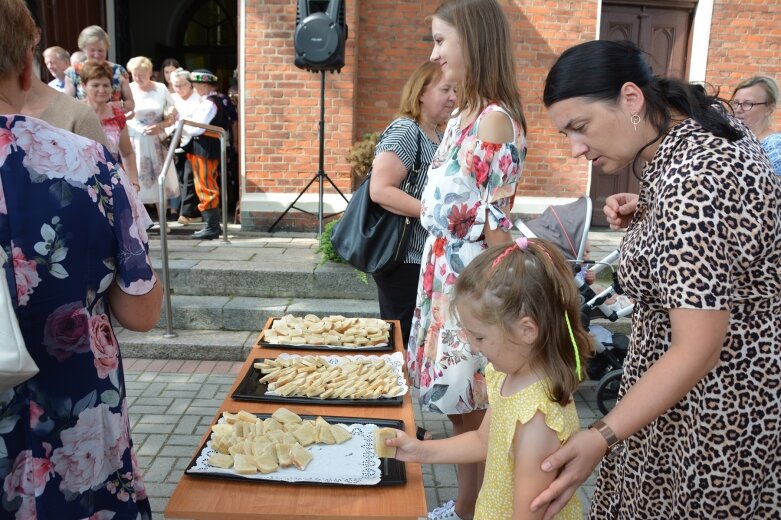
(268, 267)
(244, 313)
(221, 345)
(267, 279)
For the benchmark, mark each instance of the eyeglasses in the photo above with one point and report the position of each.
(745, 105)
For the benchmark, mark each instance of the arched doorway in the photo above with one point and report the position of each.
(198, 33)
(208, 39)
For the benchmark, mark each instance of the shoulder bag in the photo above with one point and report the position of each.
(370, 238)
(16, 364)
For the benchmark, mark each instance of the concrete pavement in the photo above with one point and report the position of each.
(172, 403)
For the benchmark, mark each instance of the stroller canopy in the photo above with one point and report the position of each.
(565, 226)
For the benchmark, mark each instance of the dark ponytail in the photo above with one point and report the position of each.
(663, 94)
(598, 69)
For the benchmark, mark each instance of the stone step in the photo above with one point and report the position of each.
(281, 279)
(217, 345)
(242, 313)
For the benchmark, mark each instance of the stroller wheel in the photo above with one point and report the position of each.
(607, 391)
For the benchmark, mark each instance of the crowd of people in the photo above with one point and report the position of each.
(491, 323)
(138, 115)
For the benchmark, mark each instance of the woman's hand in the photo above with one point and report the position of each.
(619, 209)
(576, 459)
(408, 448)
(154, 129)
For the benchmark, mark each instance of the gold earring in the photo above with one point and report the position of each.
(635, 120)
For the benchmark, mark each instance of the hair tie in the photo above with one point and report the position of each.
(578, 370)
(522, 243)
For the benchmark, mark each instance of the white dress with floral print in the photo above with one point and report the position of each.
(71, 226)
(471, 182)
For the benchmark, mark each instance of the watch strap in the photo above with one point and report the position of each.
(607, 433)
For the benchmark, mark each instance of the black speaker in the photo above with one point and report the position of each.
(320, 34)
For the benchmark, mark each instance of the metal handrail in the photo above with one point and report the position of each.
(211, 131)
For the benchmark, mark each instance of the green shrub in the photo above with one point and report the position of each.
(326, 248)
(361, 155)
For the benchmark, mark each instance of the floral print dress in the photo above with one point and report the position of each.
(470, 182)
(71, 226)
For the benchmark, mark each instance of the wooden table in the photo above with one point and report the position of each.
(212, 499)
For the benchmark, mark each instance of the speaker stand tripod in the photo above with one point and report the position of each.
(320, 177)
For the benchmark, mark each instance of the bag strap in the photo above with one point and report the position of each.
(414, 173)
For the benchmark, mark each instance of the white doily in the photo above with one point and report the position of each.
(338, 347)
(395, 360)
(352, 463)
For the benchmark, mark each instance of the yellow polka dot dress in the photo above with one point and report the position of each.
(496, 496)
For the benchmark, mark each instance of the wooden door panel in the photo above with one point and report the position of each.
(663, 33)
(61, 22)
(622, 24)
(668, 39)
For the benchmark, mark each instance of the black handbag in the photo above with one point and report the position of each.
(369, 237)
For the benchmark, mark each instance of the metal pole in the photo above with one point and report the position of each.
(223, 185)
(211, 131)
(321, 160)
(169, 319)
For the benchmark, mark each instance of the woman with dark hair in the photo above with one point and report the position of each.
(427, 100)
(167, 67)
(696, 432)
(465, 209)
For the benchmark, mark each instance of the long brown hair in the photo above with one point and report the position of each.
(488, 55)
(505, 283)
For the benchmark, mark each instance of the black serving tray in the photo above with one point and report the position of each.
(392, 471)
(251, 389)
(302, 346)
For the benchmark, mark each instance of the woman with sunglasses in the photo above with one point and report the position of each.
(754, 101)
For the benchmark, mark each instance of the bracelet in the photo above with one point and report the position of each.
(607, 433)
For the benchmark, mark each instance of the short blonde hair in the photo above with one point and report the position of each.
(766, 83)
(426, 74)
(92, 34)
(139, 62)
(17, 36)
(58, 52)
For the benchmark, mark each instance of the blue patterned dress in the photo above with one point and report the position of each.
(71, 226)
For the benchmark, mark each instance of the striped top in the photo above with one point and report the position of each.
(401, 138)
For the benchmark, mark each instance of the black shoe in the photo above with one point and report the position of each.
(212, 229)
(207, 233)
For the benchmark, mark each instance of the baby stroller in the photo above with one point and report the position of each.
(567, 227)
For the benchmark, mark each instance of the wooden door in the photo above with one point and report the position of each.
(661, 31)
(62, 21)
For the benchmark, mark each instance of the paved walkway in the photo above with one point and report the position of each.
(172, 403)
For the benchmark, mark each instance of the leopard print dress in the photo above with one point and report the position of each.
(706, 235)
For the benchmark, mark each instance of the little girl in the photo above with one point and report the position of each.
(518, 306)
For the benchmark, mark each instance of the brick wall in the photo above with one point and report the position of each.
(387, 40)
(282, 109)
(745, 41)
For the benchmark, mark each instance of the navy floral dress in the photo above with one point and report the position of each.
(71, 226)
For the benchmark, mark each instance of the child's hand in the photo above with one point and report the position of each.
(408, 448)
(589, 277)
